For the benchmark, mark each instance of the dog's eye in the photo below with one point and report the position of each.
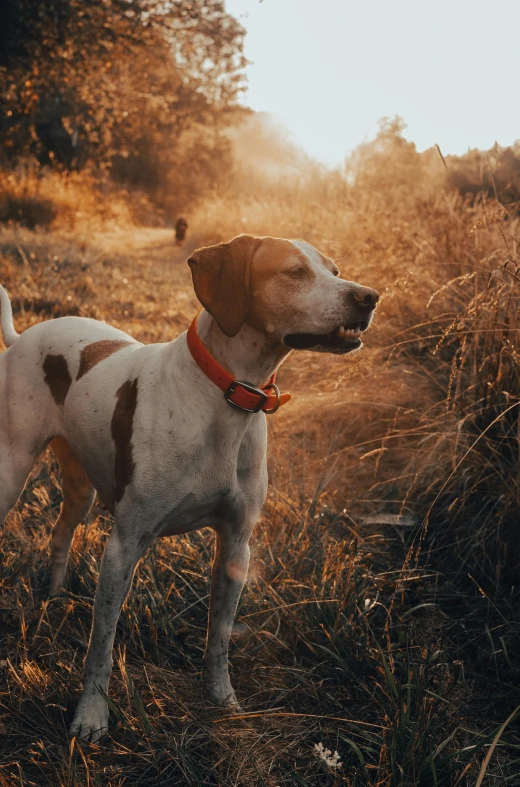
(335, 271)
(296, 273)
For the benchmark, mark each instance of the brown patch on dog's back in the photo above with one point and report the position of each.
(98, 351)
(121, 429)
(57, 377)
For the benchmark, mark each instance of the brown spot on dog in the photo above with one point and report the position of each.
(98, 351)
(121, 430)
(57, 377)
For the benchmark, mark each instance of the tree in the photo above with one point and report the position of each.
(116, 83)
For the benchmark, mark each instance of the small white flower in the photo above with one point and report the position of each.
(330, 759)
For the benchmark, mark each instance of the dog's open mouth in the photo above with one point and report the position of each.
(342, 339)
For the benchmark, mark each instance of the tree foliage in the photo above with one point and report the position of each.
(495, 172)
(121, 84)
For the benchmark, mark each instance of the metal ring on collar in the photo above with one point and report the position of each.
(277, 403)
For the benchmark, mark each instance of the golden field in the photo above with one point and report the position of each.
(381, 614)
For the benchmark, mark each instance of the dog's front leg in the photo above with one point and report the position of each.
(227, 580)
(115, 577)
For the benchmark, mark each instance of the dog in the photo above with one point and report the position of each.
(181, 225)
(171, 436)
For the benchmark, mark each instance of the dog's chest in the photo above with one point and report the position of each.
(199, 475)
(193, 511)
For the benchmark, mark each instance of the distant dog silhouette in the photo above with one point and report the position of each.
(181, 226)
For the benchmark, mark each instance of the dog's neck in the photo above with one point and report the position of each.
(249, 356)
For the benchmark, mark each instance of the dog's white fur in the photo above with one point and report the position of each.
(146, 429)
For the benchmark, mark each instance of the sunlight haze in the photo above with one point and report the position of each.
(330, 70)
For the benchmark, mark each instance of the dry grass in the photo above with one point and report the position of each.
(49, 200)
(359, 629)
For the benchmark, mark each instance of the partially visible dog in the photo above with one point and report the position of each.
(149, 429)
(181, 225)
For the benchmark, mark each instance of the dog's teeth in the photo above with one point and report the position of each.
(342, 331)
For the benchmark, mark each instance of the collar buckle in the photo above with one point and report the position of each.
(240, 394)
(250, 388)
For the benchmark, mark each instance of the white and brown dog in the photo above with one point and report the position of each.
(148, 428)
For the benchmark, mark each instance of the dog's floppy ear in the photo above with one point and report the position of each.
(221, 280)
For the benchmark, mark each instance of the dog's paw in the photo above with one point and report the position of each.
(221, 693)
(91, 719)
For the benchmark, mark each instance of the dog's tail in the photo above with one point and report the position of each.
(6, 319)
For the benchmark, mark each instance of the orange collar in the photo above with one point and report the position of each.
(243, 395)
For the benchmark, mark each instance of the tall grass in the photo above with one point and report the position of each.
(467, 472)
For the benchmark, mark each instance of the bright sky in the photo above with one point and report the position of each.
(329, 69)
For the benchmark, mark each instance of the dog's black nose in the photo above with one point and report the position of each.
(366, 296)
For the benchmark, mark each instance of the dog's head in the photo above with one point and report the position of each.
(285, 288)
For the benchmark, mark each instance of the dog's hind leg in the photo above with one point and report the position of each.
(21, 441)
(78, 496)
(15, 466)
